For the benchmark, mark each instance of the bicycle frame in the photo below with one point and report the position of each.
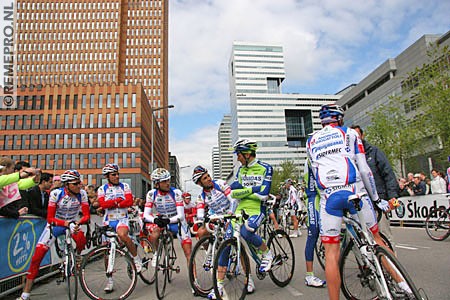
(365, 245)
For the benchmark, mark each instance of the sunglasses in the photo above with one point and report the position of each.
(114, 174)
(75, 183)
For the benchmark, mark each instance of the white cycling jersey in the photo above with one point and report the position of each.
(218, 200)
(110, 193)
(67, 207)
(169, 205)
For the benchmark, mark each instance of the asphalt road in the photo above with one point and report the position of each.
(427, 262)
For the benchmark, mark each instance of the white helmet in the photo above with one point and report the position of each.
(160, 174)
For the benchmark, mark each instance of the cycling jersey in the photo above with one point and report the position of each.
(190, 210)
(218, 200)
(340, 169)
(170, 205)
(293, 199)
(115, 200)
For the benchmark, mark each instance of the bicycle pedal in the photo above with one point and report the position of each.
(177, 269)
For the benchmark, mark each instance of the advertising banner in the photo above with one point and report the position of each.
(417, 208)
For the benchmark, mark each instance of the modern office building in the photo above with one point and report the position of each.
(388, 80)
(280, 123)
(94, 48)
(215, 162)
(224, 144)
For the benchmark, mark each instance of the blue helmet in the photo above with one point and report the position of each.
(245, 145)
(330, 113)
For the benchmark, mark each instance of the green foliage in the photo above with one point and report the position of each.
(403, 128)
(287, 170)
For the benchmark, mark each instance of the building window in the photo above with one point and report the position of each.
(133, 100)
(125, 100)
(117, 100)
(100, 101)
(116, 120)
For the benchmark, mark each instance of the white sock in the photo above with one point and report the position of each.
(25, 295)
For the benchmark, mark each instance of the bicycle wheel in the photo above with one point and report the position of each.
(320, 253)
(437, 224)
(60, 243)
(93, 276)
(88, 236)
(390, 264)
(201, 266)
(283, 263)
(161, 270)
(234, 271)
(70, 274)
(172, 257)
(145, 251)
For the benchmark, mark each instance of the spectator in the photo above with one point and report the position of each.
(37, 197)
(410, 181)
(190, 208)
(56, 182)
(21, 165)
(11, 182)
(385, 180)
(92, 197)
(420, 187)
(438, 184)
(428, 186)
(404, 189)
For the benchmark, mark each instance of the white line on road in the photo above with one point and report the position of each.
(405, 247)
(415, 246)
(294, 292)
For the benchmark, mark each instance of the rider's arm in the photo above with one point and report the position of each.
(84, 209)
(105, 204)
(364, 169)
(256, 192)
(128, 201)
(148, 215)
(51, 211)
(180, 208)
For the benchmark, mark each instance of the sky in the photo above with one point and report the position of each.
(328, 45)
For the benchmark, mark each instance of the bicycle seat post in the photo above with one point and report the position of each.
(355, 200)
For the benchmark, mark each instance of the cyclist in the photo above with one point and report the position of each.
(64, 207)
(340, 169)
(216, 196)
(251, 187)
(190, 209)
(313, 202)
(295, 204)
(165, 202)
(115, 198)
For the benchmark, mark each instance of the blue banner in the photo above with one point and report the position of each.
(18, 241)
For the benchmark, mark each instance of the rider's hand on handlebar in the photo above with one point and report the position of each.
(383, 205)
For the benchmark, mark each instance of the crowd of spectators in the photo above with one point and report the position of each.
(419, 184)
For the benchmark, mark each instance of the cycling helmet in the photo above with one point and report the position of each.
(330, 113)
(245, 145)
(110, 168)
(160, 174)
(288, 181)
(70, 176)
(198, 172)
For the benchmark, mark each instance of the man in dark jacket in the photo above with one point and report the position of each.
(37, 197)
(385, 179)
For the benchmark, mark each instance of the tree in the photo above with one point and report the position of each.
(286, 170)
(404, 127)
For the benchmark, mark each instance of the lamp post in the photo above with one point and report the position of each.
(181, 177)
(152, 134)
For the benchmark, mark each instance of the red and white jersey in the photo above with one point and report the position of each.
(67, 207)
(168, 204)
(115, 200)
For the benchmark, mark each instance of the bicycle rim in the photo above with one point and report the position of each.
(358, 281)
(391, 265)
(200, 270)
(93, 277)
(145, 251)
(438, 226)
(172, 257)
(162, 264)
(71, 276)
(283, 264)
(234, 271)
(320, 253)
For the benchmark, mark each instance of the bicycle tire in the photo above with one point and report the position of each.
(146, 251)
(320, 253)
(88, 236)
(172, 257)
(356, 280)
(93, 275)
(161, 270)
(393, 262)
(200, 276)
(70, 273)
(59, 245)
(438, 229)
(284, 257)
(229, 249)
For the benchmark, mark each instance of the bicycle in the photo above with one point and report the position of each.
(201, 261)
(372, 272)
(109, 260)
(437, 223)
(234, 250)
(68, 266)
(165, 259)
(284, 218)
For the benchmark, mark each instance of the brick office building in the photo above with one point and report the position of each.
(75, 48)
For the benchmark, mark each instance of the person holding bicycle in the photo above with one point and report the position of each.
(162, 203)
(251, 187)
(295, 204)
(115, 198)
(216, 196)
(338, 162)
(64, 206)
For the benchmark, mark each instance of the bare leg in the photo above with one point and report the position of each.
(332, 270)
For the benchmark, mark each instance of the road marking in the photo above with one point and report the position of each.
(405, 247)
(294, 292)
(415, 246)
